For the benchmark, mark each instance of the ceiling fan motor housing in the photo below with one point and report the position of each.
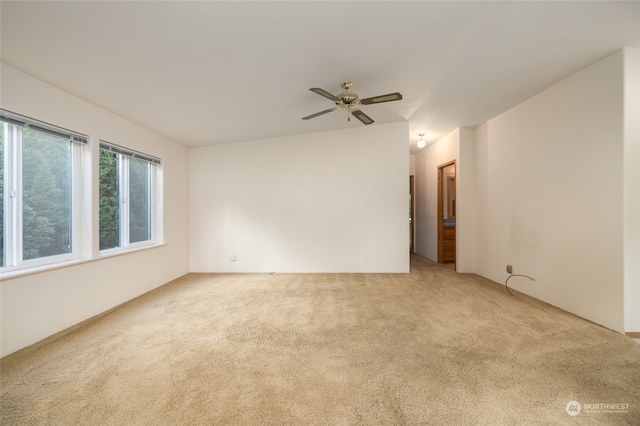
(347, 99)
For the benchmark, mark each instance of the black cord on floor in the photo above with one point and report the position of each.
(515, 275)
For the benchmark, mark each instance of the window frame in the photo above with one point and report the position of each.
(154, 200)
(13, 197)
(83, 210)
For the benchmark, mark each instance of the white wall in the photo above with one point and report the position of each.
(549, 183)
(309, 203)
(632, 189)
(36, 306)
(466, 199)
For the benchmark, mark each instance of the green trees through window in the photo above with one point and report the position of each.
(140, 200)
(46, 189)
(41, 221)
(41, 183)
(109, 200)
(125, 199)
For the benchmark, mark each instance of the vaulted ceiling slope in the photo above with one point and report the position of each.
(204, 73)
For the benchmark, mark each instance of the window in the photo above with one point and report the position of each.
(40, 197)
(127, 182)
(42, 182)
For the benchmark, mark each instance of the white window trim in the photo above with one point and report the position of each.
(13, 205)
(155, 214)
(84, 238)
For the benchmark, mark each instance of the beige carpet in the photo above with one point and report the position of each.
(429, 347)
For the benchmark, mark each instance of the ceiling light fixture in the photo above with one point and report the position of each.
(421, 142)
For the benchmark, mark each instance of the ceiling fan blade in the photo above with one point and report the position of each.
(383, 98)
(362, 116)
(308, 117)
(324, 93)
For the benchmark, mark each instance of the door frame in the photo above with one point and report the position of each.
(441, 168)
(412, 216)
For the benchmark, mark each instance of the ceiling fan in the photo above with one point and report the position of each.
(348, 101)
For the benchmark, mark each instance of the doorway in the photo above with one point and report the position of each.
(447, 212)
(412, 215)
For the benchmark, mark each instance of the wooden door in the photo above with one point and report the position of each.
(447, 212)
(412, 215)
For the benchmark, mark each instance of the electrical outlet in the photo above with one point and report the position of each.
(509, 269)
(232, 258)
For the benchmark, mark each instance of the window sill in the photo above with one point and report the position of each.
(16, 273)
(119, 251)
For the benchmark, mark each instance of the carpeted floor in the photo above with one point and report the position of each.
(429, 347)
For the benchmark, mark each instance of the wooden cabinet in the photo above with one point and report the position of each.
(449, 244)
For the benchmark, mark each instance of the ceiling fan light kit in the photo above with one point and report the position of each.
(348, 101)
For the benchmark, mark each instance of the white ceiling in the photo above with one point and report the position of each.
(204, 73)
